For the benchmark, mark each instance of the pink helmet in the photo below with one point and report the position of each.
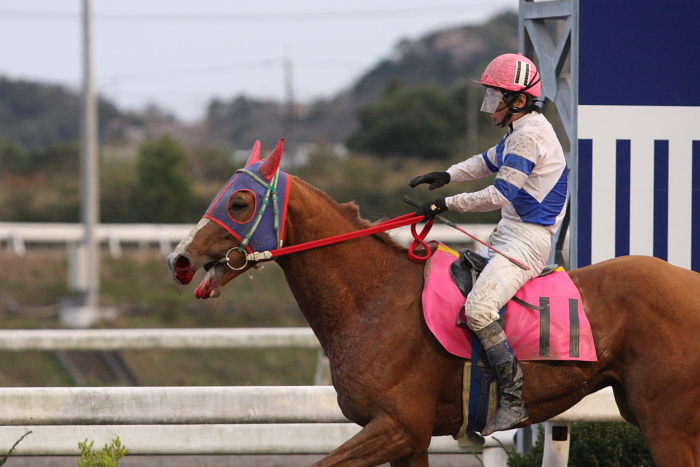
(513, 72)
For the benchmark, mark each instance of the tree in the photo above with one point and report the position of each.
(211, 164)
(13, 158)
(424, 121)
(164, 192)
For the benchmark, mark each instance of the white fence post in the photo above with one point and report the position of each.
(494, 453)
(556, 444)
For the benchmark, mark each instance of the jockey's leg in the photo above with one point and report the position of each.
(496, 285)
(511, 408)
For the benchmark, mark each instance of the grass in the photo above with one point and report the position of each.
(31, 369)
(223, 367)
(35, 280)
(140, 280)
(140, 286)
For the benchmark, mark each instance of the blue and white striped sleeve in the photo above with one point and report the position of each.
(474, 168)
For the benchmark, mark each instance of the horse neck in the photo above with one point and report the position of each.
(340, 285)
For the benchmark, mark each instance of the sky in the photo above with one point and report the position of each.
(179, 54)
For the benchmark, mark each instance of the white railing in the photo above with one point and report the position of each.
(138, 339)
(206, 420)
(229, 439)
(180, 420)
(212, 420)
(17, 235)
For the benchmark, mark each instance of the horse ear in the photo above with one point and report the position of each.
(254, 154)
(269, 167)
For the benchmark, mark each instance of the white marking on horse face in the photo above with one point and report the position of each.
(181, 248)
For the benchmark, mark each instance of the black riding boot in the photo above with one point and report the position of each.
(511, 410)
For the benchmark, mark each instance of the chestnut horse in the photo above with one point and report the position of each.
(362, 298)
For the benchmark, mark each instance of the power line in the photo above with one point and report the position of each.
(228, 67)
(243, 17)
(253, 64)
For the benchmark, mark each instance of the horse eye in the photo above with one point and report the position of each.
(240, 205)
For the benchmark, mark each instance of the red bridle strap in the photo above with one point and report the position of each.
(407, 219)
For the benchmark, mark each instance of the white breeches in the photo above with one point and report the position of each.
(529, 244)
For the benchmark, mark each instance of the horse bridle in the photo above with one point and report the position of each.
(270, 192)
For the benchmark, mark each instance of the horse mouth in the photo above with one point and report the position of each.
(184, 271)
(211, 284)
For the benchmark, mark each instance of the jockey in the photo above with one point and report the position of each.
(530, 189)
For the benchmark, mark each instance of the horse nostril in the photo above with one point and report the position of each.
(182, 263)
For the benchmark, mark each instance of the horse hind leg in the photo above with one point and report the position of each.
(623, 405)
(672, 447)
(669, 445)
(671, 430)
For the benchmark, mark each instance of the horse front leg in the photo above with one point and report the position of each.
(419, 459)
(381, 441)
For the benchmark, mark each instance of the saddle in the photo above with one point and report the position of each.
(544, 321)
(465, 271)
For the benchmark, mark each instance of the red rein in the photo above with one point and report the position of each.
(407, 219)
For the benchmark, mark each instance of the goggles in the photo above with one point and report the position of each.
(492, 100)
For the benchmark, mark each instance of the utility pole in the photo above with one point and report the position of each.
(472, 118)
(290, 140)
(89, 169)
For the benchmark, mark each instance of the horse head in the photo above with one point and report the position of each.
(246, 216)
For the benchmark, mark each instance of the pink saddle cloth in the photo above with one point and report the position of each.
(558, 331)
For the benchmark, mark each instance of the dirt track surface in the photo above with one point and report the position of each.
(436, 460)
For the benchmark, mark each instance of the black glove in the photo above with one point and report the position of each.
(436, 180)
(432, 209)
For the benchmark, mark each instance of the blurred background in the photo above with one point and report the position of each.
(367, 95)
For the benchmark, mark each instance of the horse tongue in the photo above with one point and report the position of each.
(210, 287)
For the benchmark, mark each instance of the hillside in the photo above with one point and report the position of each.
(36, 116)
(446, 57)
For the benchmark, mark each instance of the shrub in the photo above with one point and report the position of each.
(109, 456)
(593, 445)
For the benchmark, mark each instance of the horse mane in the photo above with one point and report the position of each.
(351, 212)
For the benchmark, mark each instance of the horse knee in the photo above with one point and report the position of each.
(410, 440)
(380, 441)
(417, 443)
